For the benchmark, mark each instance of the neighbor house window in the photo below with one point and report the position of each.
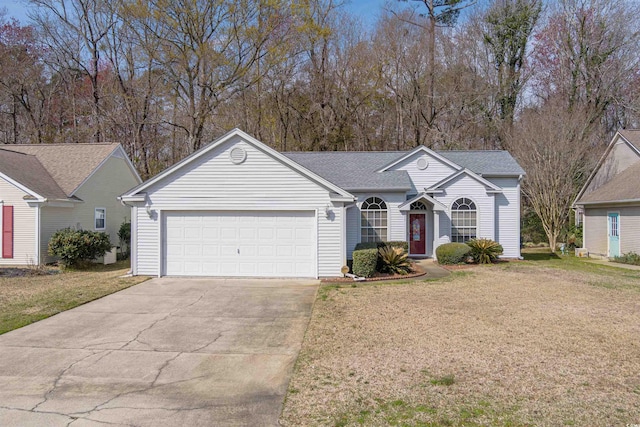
(100, 218)
(464, 217)
(373, 223)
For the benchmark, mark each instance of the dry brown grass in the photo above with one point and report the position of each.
(29, 298)
(516, 344)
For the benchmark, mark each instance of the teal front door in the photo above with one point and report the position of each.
(614, 234)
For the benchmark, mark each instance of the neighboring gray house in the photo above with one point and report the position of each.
(46, 187)
(239, 208)
(608, 205)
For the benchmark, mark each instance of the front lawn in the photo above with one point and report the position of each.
(28, 298)
(549, 341)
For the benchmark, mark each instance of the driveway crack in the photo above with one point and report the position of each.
(59, 377)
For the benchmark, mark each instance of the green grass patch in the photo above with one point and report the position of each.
(446, 380)
(542, 257)
(27, 299)
(401, 413)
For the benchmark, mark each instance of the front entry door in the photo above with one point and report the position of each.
(614, 234)
(417, 234)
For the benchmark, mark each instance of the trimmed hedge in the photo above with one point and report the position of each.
(377, 245)
(365, 262)
(452, 253)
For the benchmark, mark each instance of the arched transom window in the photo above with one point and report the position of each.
(373, 222)
(418, 206)
(464, 216)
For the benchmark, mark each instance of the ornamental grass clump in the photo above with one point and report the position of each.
(484, 251)
(394, 260)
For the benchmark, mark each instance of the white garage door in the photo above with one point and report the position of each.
(258, 244)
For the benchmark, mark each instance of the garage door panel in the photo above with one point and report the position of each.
(276, 244)
(246, 233)
(210, 233)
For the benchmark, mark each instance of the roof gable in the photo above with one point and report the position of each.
(192, 159)
(420, 149)
(625, 186)
(69, 165)
(437, 206)
(631, 139)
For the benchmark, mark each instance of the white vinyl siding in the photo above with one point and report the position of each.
(24, 226)
(147, 250)
(465, 186)
(353, 229)
(261, 183)
(396, 221)
(507, 215)
(435, 172)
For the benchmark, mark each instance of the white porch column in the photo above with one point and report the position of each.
(436, 231)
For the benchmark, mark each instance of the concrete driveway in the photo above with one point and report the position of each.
(198, 352)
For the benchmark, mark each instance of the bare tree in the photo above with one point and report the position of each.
(74, 31)
(549, 142)
(206, 49)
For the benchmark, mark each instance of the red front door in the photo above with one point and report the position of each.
(417, 234)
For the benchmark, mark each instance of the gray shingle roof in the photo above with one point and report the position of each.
(356, 170)
(27, 170)
(623, 186)
(484, 162)
(68, 164)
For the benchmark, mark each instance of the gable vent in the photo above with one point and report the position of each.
(422, 163)
(237, 155)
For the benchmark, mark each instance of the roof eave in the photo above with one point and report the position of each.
(378, 189)
(259, 146)
(606, 202)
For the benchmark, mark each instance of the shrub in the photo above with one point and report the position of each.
(377, 245)
(124, 234)
(394, 260)
(452, 253)
(484, 251)
(628, 258)
(364, 262)
(75, 247)
(366, 245)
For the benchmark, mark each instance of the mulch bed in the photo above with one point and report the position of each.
(417, 272)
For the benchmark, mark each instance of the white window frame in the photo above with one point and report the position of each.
(95, 219)
(477, 216)
(364, 213)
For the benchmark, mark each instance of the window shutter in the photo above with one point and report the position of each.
(7, 232)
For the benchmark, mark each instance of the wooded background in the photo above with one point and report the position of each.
(549, 81)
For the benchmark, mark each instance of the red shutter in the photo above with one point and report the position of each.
(7, 232)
